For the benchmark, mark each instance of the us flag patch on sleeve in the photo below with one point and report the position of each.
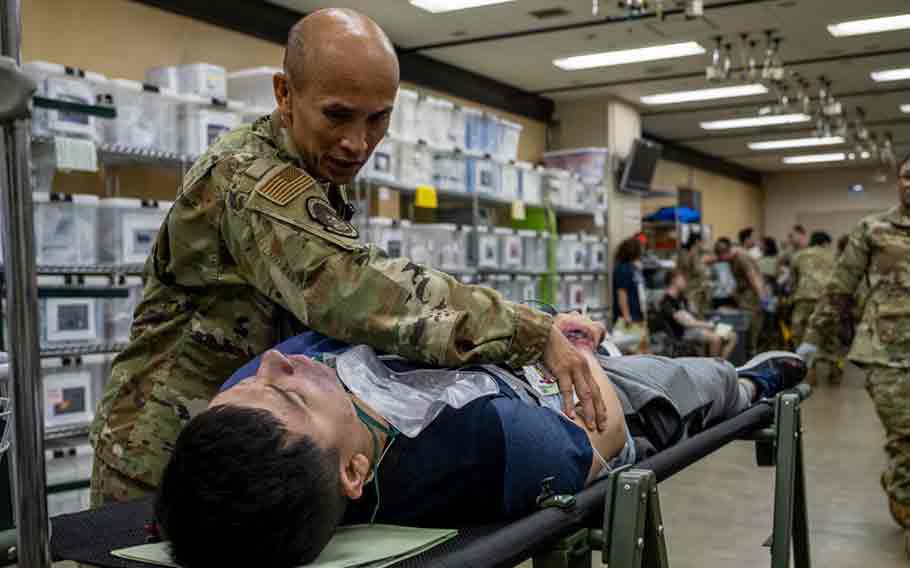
(284, 184)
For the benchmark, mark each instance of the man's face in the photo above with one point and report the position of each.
(680, 282)
(903, 185)
(303, 394)
(337, 115)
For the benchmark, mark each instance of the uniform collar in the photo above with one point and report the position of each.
(898, 217)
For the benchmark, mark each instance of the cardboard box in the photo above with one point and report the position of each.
(385, 202)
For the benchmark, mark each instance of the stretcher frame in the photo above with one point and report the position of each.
(633, 532)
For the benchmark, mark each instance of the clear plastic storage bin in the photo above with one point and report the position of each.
(65, 464)
(534, 250)
(450, 172)
(422, 247)
(454, 251)
(66, 84)
(529, 183)
(145, 119)
(383, 164)
(404, 123)
(510, 252)
(68, 320)
(389, 235)
(508, 135)
(484, 176)
(201, 126)
(434, 120)
(475, 130)
(127, 229)
(253, 86)
(68, 393)
(555, 186)
(415, 165)
(65, 228)
(509, 188)
(596, 253)
(201, 79)
(572, 253)
(118, 312)
(589, 163)
(457, 128)
(487, 248)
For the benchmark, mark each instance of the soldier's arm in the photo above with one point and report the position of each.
(831, 325)
(291, 246)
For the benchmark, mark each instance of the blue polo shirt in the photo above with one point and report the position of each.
(478, 464)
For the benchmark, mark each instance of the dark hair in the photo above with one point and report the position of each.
(240, 491)
(770, 246)
(745, 235)
(842, 243)
(799, 229)
(694, 239)
(629, 251)
(819, 238)
(722, 245)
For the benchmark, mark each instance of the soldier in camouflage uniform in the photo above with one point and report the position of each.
(258, 247)
(751, 295)
(692, 263)
(810, 270)
(879, 253)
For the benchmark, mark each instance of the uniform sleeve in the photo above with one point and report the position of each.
(831, 326)
(290, 246)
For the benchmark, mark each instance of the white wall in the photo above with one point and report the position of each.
(794, 197)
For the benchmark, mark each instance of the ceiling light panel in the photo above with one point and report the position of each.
(755, 121)
(891, 75)
(441, 6)
(816, 158)
(870, 26)
(795, 143)
(905, 108)
(705, 94)
(626, 56)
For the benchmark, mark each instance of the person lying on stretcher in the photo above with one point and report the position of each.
(292, 447)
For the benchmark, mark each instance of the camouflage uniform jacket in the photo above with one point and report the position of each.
(810, 270)
(743, 266)
(252, 245)
(693, 266)
(879, 253)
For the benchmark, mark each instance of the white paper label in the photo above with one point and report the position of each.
(76, 155)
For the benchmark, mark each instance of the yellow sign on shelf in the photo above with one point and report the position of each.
(426, 197)
(518, 210)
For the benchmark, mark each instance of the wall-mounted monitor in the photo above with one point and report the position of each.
(640, 166)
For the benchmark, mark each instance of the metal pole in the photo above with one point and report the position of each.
(22, 303)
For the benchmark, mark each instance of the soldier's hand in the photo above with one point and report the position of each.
(571, 370)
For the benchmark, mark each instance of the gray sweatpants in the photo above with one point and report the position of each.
(668, 400)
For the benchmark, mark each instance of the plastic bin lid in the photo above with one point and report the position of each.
(261, 71)
(523, 278)
(509, 124)
(574, 151)
(85, 199)
(504, 231)
(407, 93)
(165, 205)
(44, 67)
(192, 99)
(128, 84)
(50, 280)
(471, 110)
(384, 221)
(442, 102)
(41, 197)
(527, 233)
(201, 65)
(93, 359)
(440, 226)
(235, 105)
(121, 203)
(52, 363)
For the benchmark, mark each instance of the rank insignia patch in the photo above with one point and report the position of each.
(321, 212)
(285, 185)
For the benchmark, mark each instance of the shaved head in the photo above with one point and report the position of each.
(326, 35)
(337, 91)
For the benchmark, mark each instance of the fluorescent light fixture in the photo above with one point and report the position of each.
(905, 108)
(870, 26)
(705, 94)
(440, 6)
(891, 75)
(624, 56)
(795, 143)
(816, 158)
(754, 121)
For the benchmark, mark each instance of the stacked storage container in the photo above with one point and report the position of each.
(534, 251)
(510, 249)
(529, 183)
(68, 394)
(449, 172)
(201, 79)
(146, 118)
(383, 164)
(67, 321)
(510, 182)
(508, 135)
(484, 176)
(65, 228)
(486, 248)
(201, 124)
(118, 312)
(253, 86)
(67, 84)
(389, 235)
(404, 123)
(416, 164)
(453, 252)
(127, 229)
(64, 465)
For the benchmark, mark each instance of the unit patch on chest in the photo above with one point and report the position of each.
(284, 184)
(321, 212)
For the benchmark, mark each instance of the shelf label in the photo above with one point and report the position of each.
(599, 218)
(426, 197)
(518, 210)
(74, 154)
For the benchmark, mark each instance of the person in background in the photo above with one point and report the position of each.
(797, 240)
(748, 242)
(674, 311)
(691, 262)
(811, 269)
(751, 294)
(768, 261)
(629, 299)
(877, 252)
